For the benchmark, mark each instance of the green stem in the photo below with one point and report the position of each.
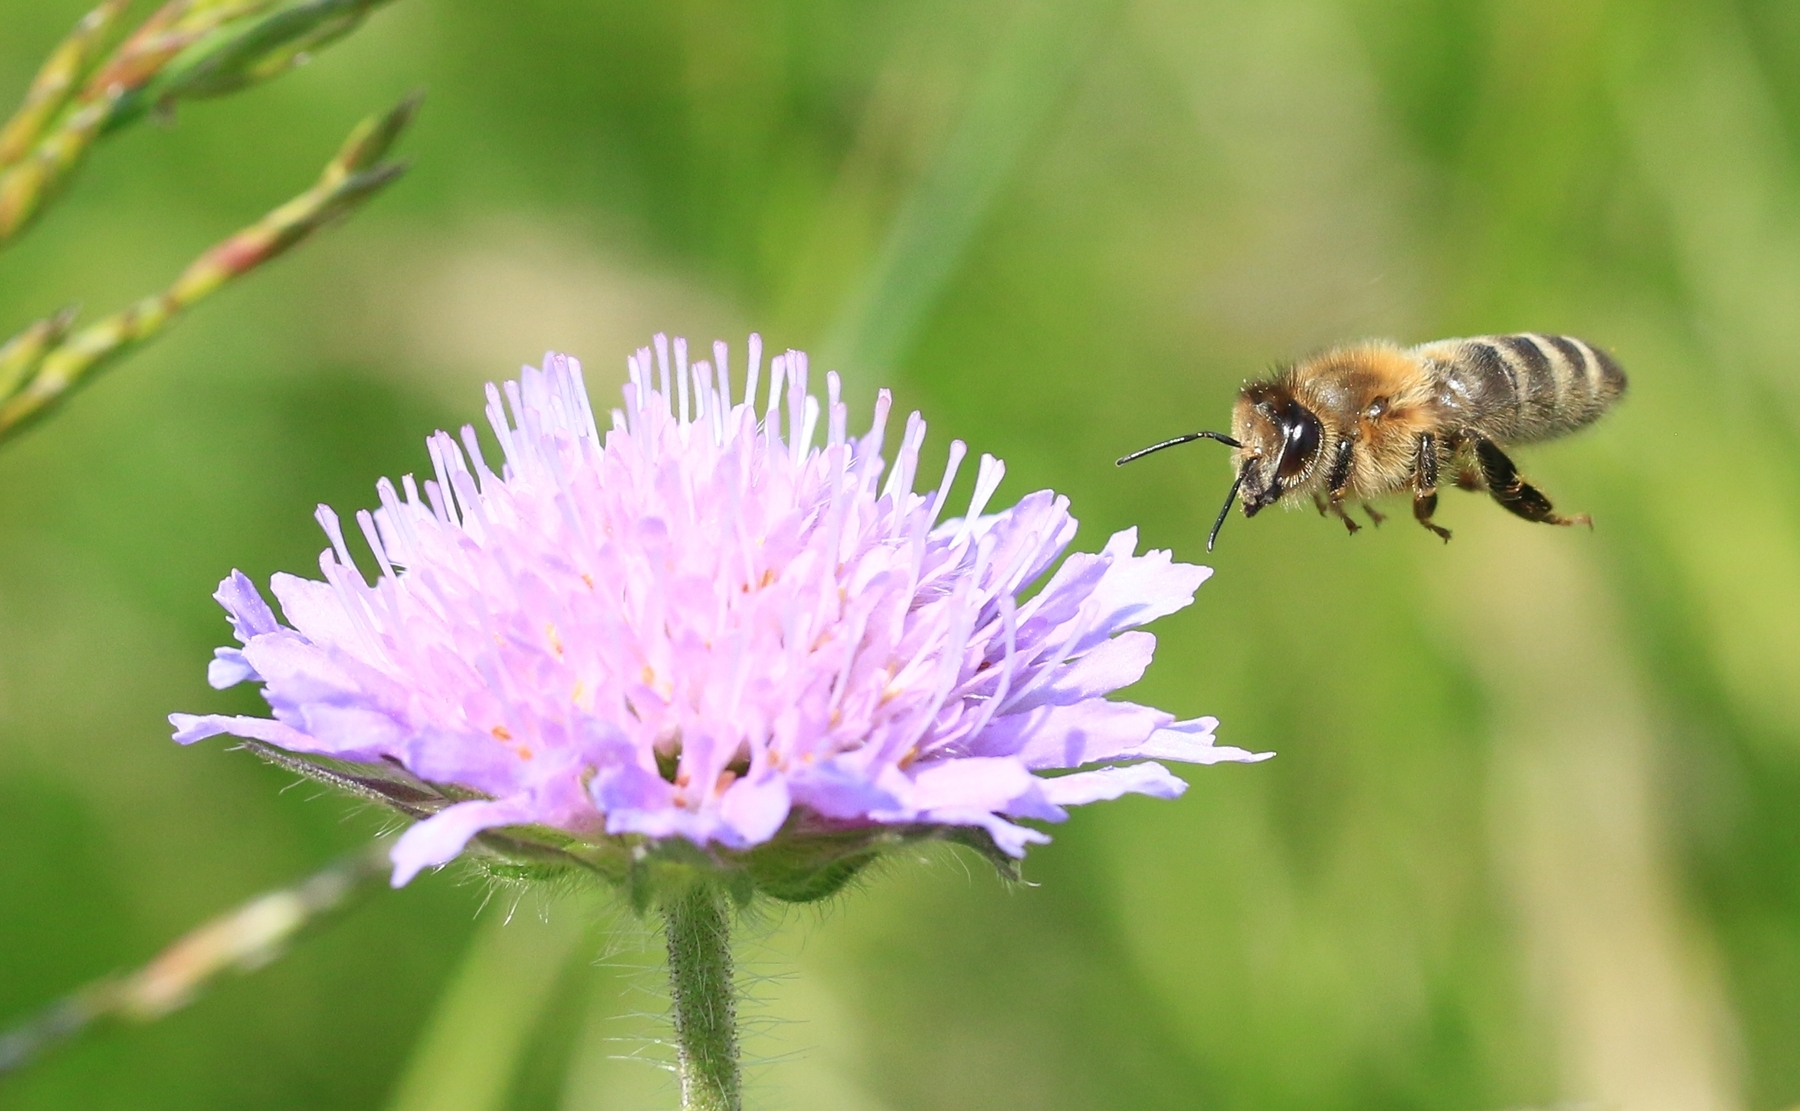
(698, 928)
(244, 939)
(37, 375)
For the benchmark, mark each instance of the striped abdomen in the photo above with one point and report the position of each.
(1514, 389)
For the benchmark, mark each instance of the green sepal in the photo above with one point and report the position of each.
(740, 885)
(821, 883)
(661, 869)
(505, 871)
(978, 839)
(388, 784)
(805, 869)
(640, 890)
(551, 853)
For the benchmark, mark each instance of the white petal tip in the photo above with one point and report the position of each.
(1225, 754)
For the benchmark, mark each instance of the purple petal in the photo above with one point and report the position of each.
(353, 732)
(298, 667)
(438, 839)
(971, 782)
(699, 827)
(229, 668)
(1138, 589)
(314, 610)
(839, 789)
(1029, 536)
(1009, 838)
(1105, 784)
(629, 787)
(1192, 742)
(1115, 664)
(250, 615)
(755, 810)
(190, 728)
(1071, 736)
(1061, 598)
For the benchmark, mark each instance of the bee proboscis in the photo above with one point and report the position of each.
(1359, 422)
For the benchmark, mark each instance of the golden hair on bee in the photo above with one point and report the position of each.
(1360, 422)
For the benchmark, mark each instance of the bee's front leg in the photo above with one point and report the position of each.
(1338, 485)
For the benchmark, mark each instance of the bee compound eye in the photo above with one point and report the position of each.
(1300, 435)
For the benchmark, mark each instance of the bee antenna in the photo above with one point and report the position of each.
(1187, 439)
(1230, 496)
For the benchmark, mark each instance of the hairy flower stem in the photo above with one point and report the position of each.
(698, 928)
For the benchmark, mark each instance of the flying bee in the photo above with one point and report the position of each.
(1359, 422)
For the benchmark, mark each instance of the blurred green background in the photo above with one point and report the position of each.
(1532, 837)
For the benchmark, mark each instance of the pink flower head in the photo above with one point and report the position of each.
(699, 626)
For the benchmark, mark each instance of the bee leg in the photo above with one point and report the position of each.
(1338, 484)
(1424, 505)
(1337, 510)
(1513, 492)
(1459, 455)
(1425, 476)
(1375, 516)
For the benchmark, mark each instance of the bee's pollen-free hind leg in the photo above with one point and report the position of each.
(1513, 492)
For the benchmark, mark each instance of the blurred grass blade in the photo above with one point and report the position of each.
(34, 181)
(243, 940)
(245, 52)
(28, 186)
(186, 49)
(356, 174)
(1020, 90)
(24, 353)
(56, 82)
(371, 139)
(470, 1051)
(169, 31)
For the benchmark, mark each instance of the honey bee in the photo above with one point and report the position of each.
(1374, 418)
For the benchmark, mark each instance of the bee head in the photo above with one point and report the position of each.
(1280, 440)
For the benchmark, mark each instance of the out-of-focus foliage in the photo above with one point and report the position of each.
(1530, 839)
(107, 74)
(43, 365)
